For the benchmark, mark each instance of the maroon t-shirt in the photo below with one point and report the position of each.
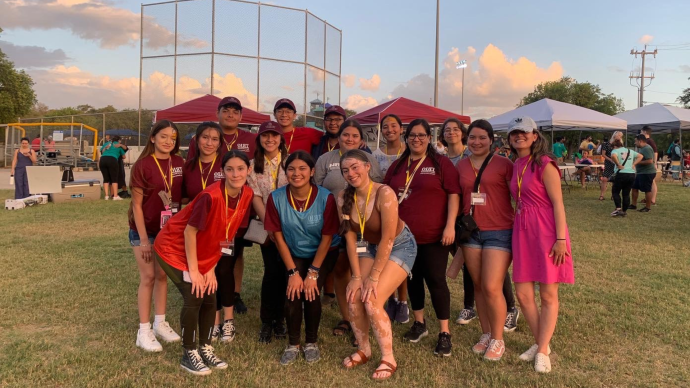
(244, 141)
(304, 139)
(498, 213)
(425, 210)
(193, 176)
(331, 224)
(147, 176)
(203, 205)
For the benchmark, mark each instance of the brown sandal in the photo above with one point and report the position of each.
(391, 369)
(354, 363)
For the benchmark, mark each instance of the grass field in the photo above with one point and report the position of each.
(69, 316)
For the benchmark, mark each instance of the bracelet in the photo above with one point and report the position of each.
(356, 277)
(315, 277)
(376, 269)
(372, 279)
(143, 245)
(560, 239)
(314, 269)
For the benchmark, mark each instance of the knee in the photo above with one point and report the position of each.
(549, 299)
(492, 291)
(161, 277)
(525, 297)
(147, 279)
(373, 308)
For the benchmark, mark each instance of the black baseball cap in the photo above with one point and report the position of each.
(284, 102)
(232, 101)
(335, 109)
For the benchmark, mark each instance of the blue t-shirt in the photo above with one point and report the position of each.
(622, 153)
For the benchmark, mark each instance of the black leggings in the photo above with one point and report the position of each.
(468, 286)
(622, 183)
(311, 309)
(196, 312)
(273, 285)
(110, 169)
(225, 275)
(430, 267)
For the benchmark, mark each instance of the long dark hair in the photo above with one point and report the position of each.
(260, 153)
(463, 129)
(430, 150)
(351, 123)
(539, 148)
(349, 193)
(483, 125)
(303, 156)
(157, 127)
(234, 154)
(191, 163)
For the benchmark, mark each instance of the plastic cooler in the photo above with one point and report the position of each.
(83, 190)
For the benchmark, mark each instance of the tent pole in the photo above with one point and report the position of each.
(682, 160)
(378, 136)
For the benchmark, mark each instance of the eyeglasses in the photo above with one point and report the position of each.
(283, 112)
(334, 119)
(452, 130)
(421, 136)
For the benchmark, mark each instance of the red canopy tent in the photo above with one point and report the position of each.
(205, 108)
(407, 110)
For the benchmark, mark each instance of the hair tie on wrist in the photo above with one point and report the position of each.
(346, 217)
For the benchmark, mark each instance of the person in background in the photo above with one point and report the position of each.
(156, 182)
(49, 144)
(559, 150)
(36, 143)
(587, 144)
(425, 180)
(647, 132)
(455, 139)
(381, 251)
(541, 242)
(24, 156)
(296, 138)
(304, 220)
(188, 249)
(266, 174)
(625, 161)
(675, 156)
(391, 128)
(646, 173)
(121, 181)
(583, 171)
(440, 148)
(609, 165)
(111, 153)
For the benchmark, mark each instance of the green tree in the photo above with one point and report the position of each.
(685, 98)
(583, 94)
(17, 96)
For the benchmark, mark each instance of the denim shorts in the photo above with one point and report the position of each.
(403, 253)
(134, 239)
(501, 240)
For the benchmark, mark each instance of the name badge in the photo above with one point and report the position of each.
(478, 199)
(174, 207)
(362, 246)
(165, 216)
(227, 247)
(401, 192)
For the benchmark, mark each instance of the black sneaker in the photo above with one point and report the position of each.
(266, 333)
(633, 207)
(279, 329)
(443, 346)
(621, 213)
(466, 315)
(215, 335)
(210, 358)
(192, 363)
(240, 307)
(227, 331)
(416, 332)
(124, 194)
(645, 210)
(511, 320)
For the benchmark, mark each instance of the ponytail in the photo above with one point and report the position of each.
(346, 210)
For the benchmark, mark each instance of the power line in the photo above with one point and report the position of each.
(641, 77)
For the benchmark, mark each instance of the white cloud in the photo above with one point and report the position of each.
(646, 39)
(370, 84)
(26, 57)
(349, 80)
(359, 103)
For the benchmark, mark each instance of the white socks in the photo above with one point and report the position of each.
(158, 319)
(143, 327)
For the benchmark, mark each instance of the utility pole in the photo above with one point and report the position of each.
(436, 60)
(641, 76)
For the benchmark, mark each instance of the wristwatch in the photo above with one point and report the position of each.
(292, 272)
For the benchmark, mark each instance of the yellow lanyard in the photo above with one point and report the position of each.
(363, 216)
(476, 173)
(292, 200)
(291, 137)
(239, 198)
(396, 156)
(329, 146)
(210, 171)
(520, 176)
(168, 187)
(408, 177)
(237, 136)
(274, 172)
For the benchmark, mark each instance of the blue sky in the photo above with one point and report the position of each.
(388, 49)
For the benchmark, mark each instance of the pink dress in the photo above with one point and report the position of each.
(534, 230)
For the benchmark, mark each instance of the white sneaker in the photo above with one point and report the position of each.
(542, 363)
(117, 198)
(147, 341)
(531, 353)
(106, 198)
(165, 332)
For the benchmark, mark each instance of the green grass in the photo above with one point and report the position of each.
(69, 316)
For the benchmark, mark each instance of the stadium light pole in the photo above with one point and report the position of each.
(462, 65)
(436, 59)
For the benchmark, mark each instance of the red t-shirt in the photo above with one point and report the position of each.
(425, 210)
(36, 144)
(331, 223)
(243, 141)
(147, 176)
(497, 214)
(192, 177)
(203, 206)
(302, 138)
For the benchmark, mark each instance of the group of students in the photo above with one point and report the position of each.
(377, 223)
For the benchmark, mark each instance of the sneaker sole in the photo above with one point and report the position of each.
(509, 330)
(414, 341)
(313, 361)
(197, 373)
(223, 340)
(478, 351)
(492, 359)
(170, 341)
(402, 322)
(148, 350)
(442, 354)
(464, 321)
(220, 366)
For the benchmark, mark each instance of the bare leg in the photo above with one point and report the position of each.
(495, 264)
(146, 283)
(603, 183)
(106, 189)
(473, 262)
(525, 295)
(649, 198)
(635, 194)
(654, 190)
(114, 186)
(359, 319)
(160, 290)
(402, 291)
(548, 294)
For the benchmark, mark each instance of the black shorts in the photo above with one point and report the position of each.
(643, 182)
(110, 169)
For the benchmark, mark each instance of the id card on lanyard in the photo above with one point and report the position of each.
(166, 195)
(519, 185)
(227, 247)
(404, 192)
(362, 219)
